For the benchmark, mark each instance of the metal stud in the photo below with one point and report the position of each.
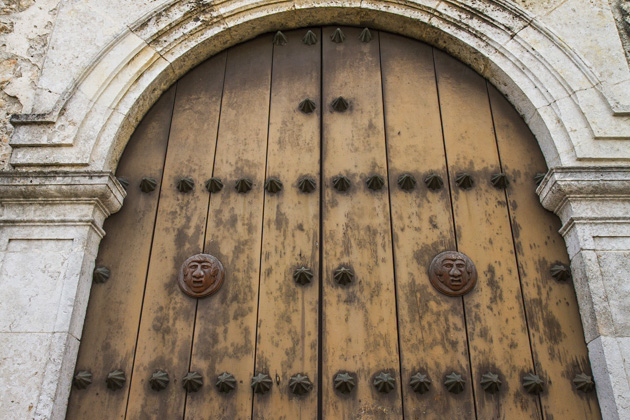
(500, 181)
(539, 177)
(273, 185)
(584, 382)
(344, 382)
(340, 104)
(124, 182)
(464, 181)
(337, 36)
(532, 383)
(343, 275)
(185, 184)
(214, 185)
(261, 383)
(375, 182)
(307, 106)
(366, 35)
(159, 380)
(420, 383)
(433, 182)
(226, 382)
(341, 183)
(148, 184)
(243, 185)
(490, 382)
(115, 379)
(307, 185)
(560, 272)
(279, 39)
(454, 383)
(303, 275)
(300, 384)
(101, 274)
(406, 182)
(82, 379)
(192, 382)
(384, 382)
(310, 38)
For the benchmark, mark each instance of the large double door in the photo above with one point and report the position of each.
(409, 113)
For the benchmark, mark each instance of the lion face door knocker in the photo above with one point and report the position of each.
(201, 275)
(452, 273)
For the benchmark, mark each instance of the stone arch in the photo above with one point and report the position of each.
(548, 83)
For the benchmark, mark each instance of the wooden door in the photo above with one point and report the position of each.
(326, 168)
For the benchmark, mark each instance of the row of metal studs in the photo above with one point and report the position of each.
(341, 183)
(344, 382)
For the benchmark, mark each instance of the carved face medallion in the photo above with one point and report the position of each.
(201, 275)
(452, 273)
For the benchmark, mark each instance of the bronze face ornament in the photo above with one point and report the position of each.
(201, 275)
(452, 273)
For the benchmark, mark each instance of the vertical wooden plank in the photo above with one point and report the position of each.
(431, 325)
(167, 314)
(554, 321)
(495, 319)
(111, 324)
(225, 332)
(359, 319)
(288, 315)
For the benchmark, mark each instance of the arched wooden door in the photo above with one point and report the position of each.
(414, 117)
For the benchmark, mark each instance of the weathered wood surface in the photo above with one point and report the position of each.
(167, 314)
(359, 331)
(495, 318)
(554, 321)
(225, 332)
(288, 330)
(432, 330)
(111, 325)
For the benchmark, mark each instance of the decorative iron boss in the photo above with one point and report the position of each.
(201, 275)
(452, 273)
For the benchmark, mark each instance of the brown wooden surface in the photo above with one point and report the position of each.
(401, 119)
(554, 322)
(288, 313)
(167, 314)
(225, 332)
(495, 319)
(432, 329)
(111, 324)
(359, 331)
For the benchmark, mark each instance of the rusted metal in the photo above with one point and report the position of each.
(452, 273)
(375, 182)
(464, 181)
(159, 380)
(344, 382)
(82, 379)
(261, 383)
(101, 274)
(307, 106)
(115, 379)
(300, 384)
(185, 184)
(384, 382)
(341, 183)
(406, 182)
(454, 382)
(490, 382)
(420, 383)
(201, 275)
(225, 382)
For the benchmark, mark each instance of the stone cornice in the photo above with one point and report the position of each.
(562, 185)
(63, 187)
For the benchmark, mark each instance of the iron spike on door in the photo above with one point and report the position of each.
(101, 274)
(82, 379)
(384, 382)
(420, 383)
(490, 382)
(148, 184)
(300, 384)
(225, 382)
(192, 382)
(115, 379)
(454, 383)
(310, 38)
(307, 106)
(338, 36)
(214, 185)
(261, 383)
(366, 35)
(159, 380)
(344, 382)
(433, 182)
(375, 182)
(279, 39)
(307, 184)
(340, 104)
(303, 276)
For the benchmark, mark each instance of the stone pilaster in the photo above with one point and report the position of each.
(50, 230)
